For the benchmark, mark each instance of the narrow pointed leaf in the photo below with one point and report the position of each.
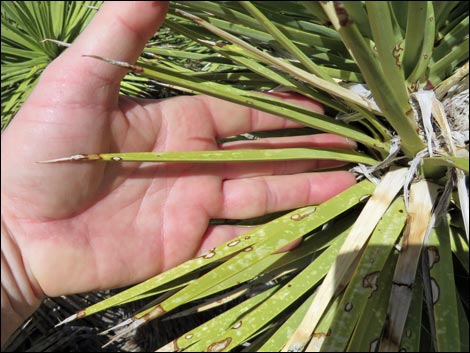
(279, 301)
(444, 294)
(389, 49)
(398, 115)
(427, 45)
(282, 335)
(315, 81)
(299, 222)
(422, 197)
(459, 246)
(231, 156)
(285, 41)
(255, 100)
(367, 332)
(370, 215)
(230, 318)
(364, 282)
(271, 238)
(413, 328)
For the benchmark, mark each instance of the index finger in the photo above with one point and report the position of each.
(118, 31)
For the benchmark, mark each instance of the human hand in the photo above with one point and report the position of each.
(88, 226)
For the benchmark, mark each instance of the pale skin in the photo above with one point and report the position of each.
(76, 227)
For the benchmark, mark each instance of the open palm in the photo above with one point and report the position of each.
(85, 226)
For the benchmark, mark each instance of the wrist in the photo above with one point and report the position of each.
(20, 297)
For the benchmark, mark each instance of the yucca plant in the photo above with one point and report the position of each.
(26, 27)
(34, 33)
(379, 265)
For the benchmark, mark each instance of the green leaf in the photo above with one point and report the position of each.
(367, 332)
(278, 302)
(446, 161)
(256, 100)
(240, 156)
(421, 66)
(284, 41)
(251, 247)
(340, 272)
(412, 331)
(280, 337)
(397, 114)
(459, 246)
(365, 280)
(444, 294)
(464, 327)
(223, 13)
(25, 24)
(218, 324)
(416, 20)
(389, 49)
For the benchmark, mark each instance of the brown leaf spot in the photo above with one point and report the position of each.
(322, 334)
(348, 307)
(157, 312)
(248, 249)
(233, 243)
(219, 346)
(299, 217)
(343, 16)
(433, 256)
(396, 54)
(429, 86)
(172, 347)
(237, 325)
(403, 284)
(93, 157)
(370, 281)
(296, 217)
(209, 254)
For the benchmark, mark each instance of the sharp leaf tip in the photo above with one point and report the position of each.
(69, 319)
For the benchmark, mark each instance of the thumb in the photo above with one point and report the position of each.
(118, 31)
